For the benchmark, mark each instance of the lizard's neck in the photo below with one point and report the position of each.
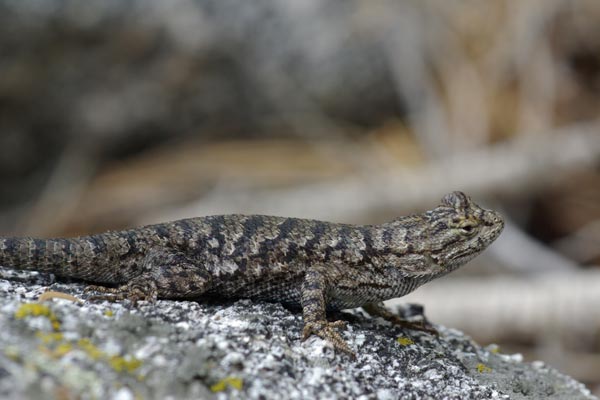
(403, 236)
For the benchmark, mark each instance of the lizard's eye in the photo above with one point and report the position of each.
(467, 229)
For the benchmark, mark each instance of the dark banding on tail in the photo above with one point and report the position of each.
(19, 253)
(94, 258)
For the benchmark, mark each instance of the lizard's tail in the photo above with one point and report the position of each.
(90, 258)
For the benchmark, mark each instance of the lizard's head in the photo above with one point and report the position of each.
(460, 230)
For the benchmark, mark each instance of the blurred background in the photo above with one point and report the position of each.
(121, 113)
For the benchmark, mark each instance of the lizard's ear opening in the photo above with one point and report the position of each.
(457, 200)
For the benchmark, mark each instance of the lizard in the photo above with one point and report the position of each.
(313, 265)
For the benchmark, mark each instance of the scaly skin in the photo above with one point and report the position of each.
(315, 265)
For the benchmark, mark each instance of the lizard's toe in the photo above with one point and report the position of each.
(135, 291)
(100, 289)
(423, 325)
(338, 324)
(108, 293)
(327, 330)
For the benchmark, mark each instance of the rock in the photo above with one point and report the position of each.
(183, 349)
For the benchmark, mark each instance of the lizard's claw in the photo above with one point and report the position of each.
(134, 291)
(326, 330)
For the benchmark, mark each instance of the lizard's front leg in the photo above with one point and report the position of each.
(379, 310)
(314, 298)
(165, 274)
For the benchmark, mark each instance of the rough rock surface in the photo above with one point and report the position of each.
(64, 349)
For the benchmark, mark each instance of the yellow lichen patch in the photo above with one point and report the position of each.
(48, 338)
(91, 350)
(121, 364)
(54, 344)
(32, 309)
(37, 310)
(404, 341)
(235, 383)
(481, 368)
(12, 353)
(62, 349)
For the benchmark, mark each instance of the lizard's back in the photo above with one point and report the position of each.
(236, 250)
(266, 257)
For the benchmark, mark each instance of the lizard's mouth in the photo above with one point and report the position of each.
(462, 260)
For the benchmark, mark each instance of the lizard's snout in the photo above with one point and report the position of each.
(492, 218)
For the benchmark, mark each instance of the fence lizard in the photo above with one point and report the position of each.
(315, 265)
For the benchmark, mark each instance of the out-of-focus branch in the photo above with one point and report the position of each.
(523, 164)
(516, 309)
(584, 244)
(520, 252)
(62, 191)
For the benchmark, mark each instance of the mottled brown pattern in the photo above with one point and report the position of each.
(315, 265)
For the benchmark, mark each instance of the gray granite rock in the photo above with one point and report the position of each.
(65, 349)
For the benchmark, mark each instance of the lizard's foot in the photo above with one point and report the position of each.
(326, 330)
(422, 325)
(379, 310)
(134, 291)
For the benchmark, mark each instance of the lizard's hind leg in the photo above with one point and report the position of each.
(165, 274)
